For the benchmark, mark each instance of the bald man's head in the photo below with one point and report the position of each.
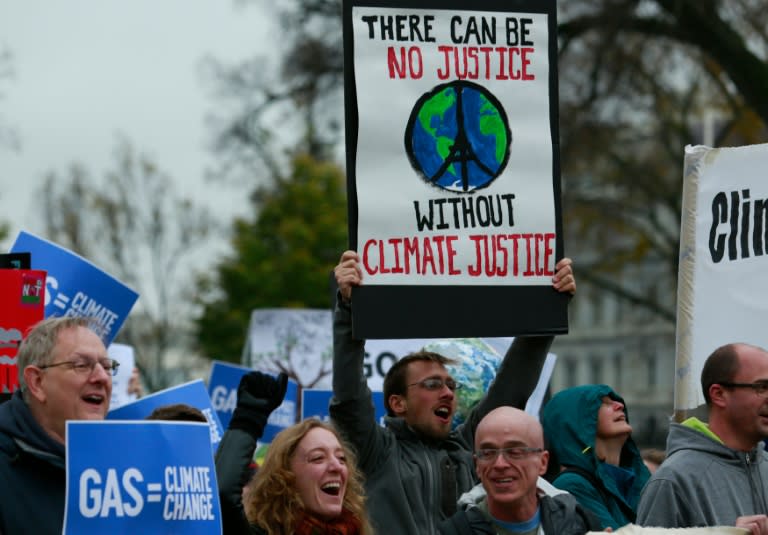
(512, 421)
(509, 458)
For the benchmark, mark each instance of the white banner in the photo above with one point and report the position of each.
(723, 246)
(124, 355)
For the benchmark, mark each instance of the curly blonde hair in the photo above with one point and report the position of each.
(271, 500)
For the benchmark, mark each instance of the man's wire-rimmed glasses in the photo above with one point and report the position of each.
(86, 366)
(436, 383)
(516, 453)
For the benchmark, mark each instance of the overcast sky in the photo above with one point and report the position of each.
(88, 70)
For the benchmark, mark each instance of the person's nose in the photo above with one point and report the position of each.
(100, 374)
(500, 460)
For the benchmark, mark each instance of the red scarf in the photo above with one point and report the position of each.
(344, 524)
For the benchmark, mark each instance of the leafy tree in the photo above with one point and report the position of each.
(638, 81)
(136, 227)
(283, 258)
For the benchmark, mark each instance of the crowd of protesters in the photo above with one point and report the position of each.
(416, 474)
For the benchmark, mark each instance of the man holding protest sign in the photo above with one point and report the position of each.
(716, 474)
(416, 467)
(64, 374)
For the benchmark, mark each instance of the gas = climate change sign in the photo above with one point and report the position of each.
(140, 477)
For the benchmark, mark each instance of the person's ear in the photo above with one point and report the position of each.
(544, 462)
(398, 404)
(717, 395)
(33, 376)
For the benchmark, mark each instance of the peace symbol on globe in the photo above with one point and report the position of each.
(458, 137)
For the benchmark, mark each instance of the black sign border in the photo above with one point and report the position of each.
(405, 311)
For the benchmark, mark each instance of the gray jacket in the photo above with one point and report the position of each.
(703, 483)
(405, 475)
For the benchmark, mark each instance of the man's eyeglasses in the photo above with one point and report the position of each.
(517, 453)
(760, 388)
(436, 383)
(86, 366)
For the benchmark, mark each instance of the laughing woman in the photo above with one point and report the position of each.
(309, 483)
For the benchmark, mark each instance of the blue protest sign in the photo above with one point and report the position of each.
(140, 477)
(284, 416)
(192, 393)
(222, 387)
(314, 404)
(75, 287)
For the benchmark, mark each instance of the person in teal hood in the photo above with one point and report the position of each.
(588, 432)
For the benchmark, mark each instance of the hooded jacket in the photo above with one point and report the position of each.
(570, 427)
(408, 479)
(560, 514)
(703, 482)
(32, 464)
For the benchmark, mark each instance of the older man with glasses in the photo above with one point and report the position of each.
(509, 459)
(64, 374)
(416, 466)
(716, 473)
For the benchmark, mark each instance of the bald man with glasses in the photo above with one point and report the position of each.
(64, 374)
(509, 460)
(716, 473)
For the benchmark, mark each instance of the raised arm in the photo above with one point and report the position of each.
(258, 394)
(521, 367)
(351, 406)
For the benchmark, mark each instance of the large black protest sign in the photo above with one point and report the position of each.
(453, 167)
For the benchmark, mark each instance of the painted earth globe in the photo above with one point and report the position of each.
(458, 137)
(476, 367)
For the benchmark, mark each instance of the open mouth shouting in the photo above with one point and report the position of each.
(93, 399)
(96, 404)
(444, 413)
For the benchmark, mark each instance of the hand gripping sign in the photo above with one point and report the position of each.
(140, 477)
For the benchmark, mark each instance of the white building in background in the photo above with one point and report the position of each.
(625, 346)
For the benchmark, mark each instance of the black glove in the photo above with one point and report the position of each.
(257, 396)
